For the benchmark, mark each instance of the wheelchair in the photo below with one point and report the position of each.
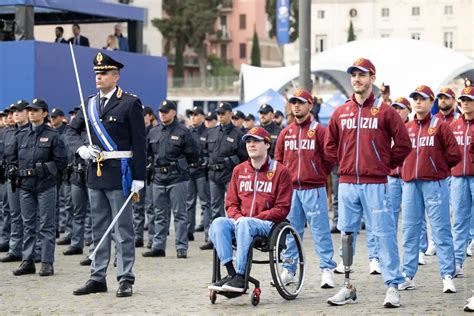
(274, 244)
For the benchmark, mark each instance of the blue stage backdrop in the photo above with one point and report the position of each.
(30, 69)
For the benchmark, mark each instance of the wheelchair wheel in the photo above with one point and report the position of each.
(283, 237)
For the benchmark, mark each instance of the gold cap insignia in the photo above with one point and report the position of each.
(359, 61)
(253, 130)
(99, 58)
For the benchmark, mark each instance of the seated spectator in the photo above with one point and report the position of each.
(111, 43)
(121, 40)
(78, 39)
(59, 35)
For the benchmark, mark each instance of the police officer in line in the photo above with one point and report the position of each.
(173, 150)
(249, 122)
(226, 150)
(64, 206)
(238, 120)
(143, 210)
(278, 119)
(266, 115)
(5, 218)
(20, 116)
(150, 122)
(210, 121)
(41, 157)
(80, 202)
(117, 170)
(198, 184)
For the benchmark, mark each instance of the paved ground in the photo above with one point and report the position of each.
(176, 286)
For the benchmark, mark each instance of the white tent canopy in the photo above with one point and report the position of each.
(403, 64)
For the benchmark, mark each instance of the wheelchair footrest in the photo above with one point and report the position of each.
(231, 294)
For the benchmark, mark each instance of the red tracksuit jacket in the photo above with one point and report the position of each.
(462, 130)
(360, 138)
(434, 150)
(264, 194)
(454, 115)
(300, 147)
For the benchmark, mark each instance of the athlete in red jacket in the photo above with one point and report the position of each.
(360, 135)
(259, 195)
(462, 180)
(300, 147)
(434, 152)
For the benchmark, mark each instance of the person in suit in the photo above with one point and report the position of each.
(78, 39)
(118, 135)
(59, 35)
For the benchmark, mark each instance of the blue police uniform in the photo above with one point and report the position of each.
(41, 156)
(173, 149)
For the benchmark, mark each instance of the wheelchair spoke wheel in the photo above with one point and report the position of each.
(286, 254)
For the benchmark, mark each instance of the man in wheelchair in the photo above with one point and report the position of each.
(259, 196)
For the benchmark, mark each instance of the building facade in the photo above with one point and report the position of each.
(448, 23)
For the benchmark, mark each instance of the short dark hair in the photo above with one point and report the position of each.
(60, 28)
(76, 25)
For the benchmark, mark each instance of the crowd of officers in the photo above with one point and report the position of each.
(43, 188)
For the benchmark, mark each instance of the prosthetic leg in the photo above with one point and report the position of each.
(346, 295)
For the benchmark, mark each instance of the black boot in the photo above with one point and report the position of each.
(64, 241)
(154, 253)
(125, 289)
(207, 246)
(10, 258)
(90, 287)
(26, 267)
(47, 269)
(70, 251)
(85, 262)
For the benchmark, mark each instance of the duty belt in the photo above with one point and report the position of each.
(165, 169)
(116, 154)
(217, 166)
(27, 172)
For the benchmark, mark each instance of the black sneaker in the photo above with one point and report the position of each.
(217, 286)
(237, 284)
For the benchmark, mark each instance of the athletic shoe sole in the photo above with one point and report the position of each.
(349, 301)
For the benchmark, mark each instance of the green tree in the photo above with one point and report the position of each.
(255, 56)
(351, 37)
(186, 24)
(270, 8)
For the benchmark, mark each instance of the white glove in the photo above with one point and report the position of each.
(137, 185)
(88, 152)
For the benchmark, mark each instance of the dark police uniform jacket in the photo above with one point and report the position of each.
(274, 130)
(199, 169)
(123, 120)
(173, 150)
(41, 156)
(226, 150)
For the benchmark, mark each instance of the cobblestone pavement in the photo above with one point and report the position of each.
(177, 286)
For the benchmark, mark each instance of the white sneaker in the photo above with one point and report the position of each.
(346, 295)
(431, 251)
(392, 298)
(469, 249)
(459, 272)
(408, 284)
(340, 268)
(421, 259)
(469, 307)
(327, 279)
(286, 277)
(374, 266)
(448, 285)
